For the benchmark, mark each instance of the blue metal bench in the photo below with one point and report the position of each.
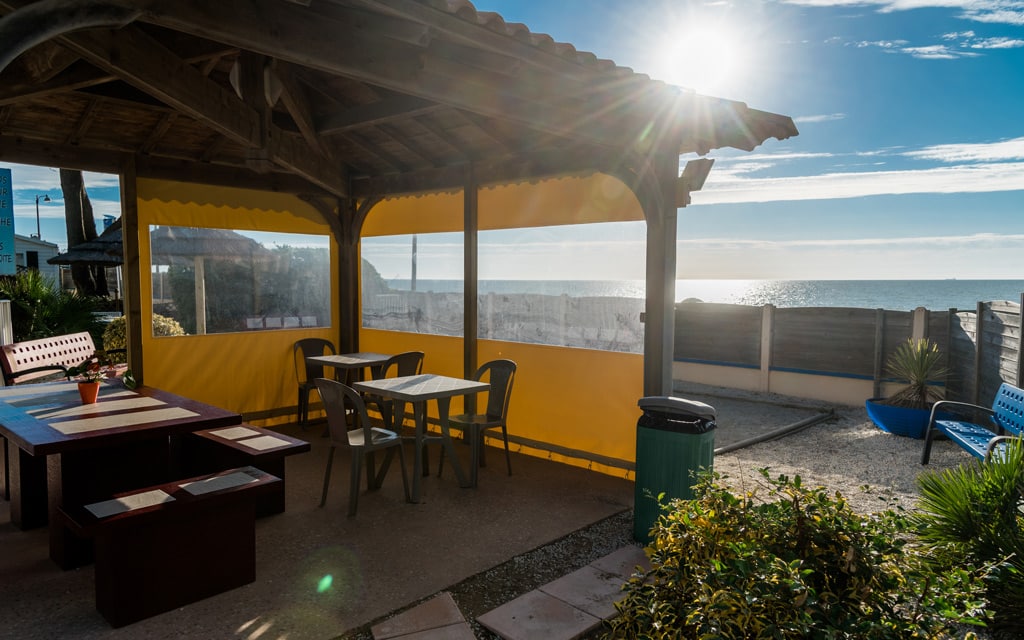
(1005, 420)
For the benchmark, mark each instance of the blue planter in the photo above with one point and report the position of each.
(900, 421)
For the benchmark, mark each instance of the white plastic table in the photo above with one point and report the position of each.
(417, 390)
(350, 361)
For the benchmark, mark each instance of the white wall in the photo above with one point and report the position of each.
(46, 250)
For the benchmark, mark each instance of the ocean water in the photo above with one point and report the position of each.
(897, 295)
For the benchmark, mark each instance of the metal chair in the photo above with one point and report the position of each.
(341, 402)
(306, 373)
(500, 374)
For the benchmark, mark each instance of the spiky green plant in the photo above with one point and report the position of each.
(918, 364)
(40, 309)
(974, 514)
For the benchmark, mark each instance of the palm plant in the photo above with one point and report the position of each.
(40, 309)
(916, 363)
(974, 515)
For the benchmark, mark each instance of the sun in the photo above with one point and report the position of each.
(709, 58)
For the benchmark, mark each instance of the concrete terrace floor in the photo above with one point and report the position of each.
(389, 557)
(391, 554)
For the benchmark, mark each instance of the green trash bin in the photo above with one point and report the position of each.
(675, 438)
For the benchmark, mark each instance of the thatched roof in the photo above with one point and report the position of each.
(106, 250)
(179, 245)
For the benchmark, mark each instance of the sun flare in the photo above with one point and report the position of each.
(708, 58)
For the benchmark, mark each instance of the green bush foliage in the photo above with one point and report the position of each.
(974, 514)
(798, 564)
(115, 336)
(41, 309)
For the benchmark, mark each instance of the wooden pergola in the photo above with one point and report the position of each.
(346, 102)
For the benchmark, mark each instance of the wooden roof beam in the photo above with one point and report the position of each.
(144, 63)
(306, 38)
(379, 112)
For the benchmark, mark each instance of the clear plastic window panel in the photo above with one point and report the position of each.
(414, 283)
(221, 281)
(575, 286)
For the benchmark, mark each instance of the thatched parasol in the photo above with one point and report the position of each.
(105, 250)
(180, 245)
(193, 246)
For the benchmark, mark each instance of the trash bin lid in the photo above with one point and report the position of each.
(670, 404)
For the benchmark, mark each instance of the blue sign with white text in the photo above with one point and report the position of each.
(7, 264)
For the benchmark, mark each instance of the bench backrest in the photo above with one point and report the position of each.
(22, 361)
(1009, 409)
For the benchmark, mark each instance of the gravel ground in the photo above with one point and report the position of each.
(846, 453)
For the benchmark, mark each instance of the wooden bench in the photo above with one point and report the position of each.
(167, 546)
(212, 450)
(24, 361)
(985, 438)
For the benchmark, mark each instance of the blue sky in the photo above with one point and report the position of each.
(909, 162)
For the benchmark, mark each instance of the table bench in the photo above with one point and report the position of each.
(163, 547)
(983, 439)
(23, 362)
(212, 450)
(33, 359)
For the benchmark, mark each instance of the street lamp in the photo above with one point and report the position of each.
(46, 198)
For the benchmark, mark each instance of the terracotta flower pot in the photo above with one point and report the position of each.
(89, 391)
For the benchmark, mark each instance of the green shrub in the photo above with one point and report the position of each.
(973, 515)
(41, 309)
(799, 564)
(115, 336)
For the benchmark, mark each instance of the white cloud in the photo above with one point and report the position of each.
(998, 43)
(981, 152)
(819, 118)
(938, 52)
(978, 240)
(986, 11)
(978, 178)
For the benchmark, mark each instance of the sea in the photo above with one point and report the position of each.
(897, 295)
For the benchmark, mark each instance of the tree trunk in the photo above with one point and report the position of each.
(81, 227)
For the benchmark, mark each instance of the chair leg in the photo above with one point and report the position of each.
(303, 416)
(476, 445)
(508, 458)
(926, 454)
(353, 486)
(7, 471)
(327, 476)
(405, 477)
(440, 463)
(378, 478)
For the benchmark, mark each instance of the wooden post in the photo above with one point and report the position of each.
(1019, 378)
(979, 314)
(471, 225)
(919, 324)
(131, 266)
(879, 351)
(950, 317)
(767, 332)
(659, 203)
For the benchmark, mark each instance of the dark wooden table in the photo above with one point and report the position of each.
(125, 441)
(418, 390)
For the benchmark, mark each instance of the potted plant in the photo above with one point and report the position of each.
(916, 363)
(88, 375)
